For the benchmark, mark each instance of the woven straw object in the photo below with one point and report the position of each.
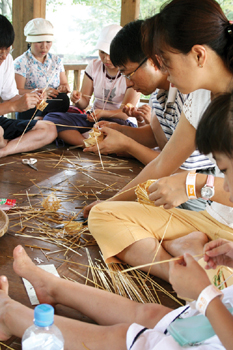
(4, 222)
(142, 193)
(95, 135)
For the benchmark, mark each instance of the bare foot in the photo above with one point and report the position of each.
(40, 279)
(193, 243)
(4, 299)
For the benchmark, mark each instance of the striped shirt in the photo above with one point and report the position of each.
(167, 106)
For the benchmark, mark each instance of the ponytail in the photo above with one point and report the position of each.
(181, 24)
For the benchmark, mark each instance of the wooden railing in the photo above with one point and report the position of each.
(77, 69)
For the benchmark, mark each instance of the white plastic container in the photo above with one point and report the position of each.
(43, 334)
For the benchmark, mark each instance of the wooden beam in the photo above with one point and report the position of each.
(22, 12)
(129, 11)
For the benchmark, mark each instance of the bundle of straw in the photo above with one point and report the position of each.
(95, 135)
(42, 105)
(51, 203)
(142, 192)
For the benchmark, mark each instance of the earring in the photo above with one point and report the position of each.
(200, 66)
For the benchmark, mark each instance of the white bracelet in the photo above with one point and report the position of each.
(206, 296)
(191, 186)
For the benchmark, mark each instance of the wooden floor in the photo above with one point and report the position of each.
(76, 178)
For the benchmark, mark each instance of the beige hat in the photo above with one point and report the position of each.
(38, 29)
(4, 222)
(106, 36)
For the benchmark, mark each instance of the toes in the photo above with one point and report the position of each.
(4, 285)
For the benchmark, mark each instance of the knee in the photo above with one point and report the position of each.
(49, 129)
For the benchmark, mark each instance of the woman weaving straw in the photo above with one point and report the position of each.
(39, 70)
(110, 95)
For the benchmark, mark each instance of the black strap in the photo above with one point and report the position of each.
(137, 336)
(182, 312)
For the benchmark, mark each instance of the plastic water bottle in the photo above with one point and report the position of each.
(43, 334)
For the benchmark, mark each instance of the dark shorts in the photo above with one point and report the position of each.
(14, 128)
(59, 104)
(74, 120)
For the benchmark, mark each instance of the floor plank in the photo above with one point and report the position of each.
(65, 173)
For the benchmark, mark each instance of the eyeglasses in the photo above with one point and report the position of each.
(129, 76)
(6, 52)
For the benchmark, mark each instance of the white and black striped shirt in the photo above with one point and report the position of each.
(168, 105)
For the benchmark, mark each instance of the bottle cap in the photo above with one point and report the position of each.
(43, 315)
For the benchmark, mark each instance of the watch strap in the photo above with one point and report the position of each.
(191, 185)
(206, 296)
(210, 181)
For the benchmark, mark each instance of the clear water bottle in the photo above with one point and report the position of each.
(43, 334)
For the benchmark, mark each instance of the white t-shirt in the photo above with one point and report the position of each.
(155, 339)
(8, 88)
(193, 109)
(106, 88)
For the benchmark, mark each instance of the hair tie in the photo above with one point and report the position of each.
(230, 28)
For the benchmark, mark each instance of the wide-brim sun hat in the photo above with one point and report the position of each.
(106, 36)
(39, 29)
(4, 222)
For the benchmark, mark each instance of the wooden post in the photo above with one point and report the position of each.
(22, 12)
(129, 11)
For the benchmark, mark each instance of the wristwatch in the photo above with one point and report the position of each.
(207, 191)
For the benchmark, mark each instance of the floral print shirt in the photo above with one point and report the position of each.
(38, 74)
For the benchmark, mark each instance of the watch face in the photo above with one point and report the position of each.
(207, 192)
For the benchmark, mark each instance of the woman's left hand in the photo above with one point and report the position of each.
(50, 93)
(169, 191)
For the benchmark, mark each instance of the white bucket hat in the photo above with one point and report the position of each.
(106, 36)
(38, 29)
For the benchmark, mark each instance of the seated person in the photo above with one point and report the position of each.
(38, 133)
(110, 93)
(166, 101)
(37, 69)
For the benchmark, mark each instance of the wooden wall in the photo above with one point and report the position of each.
(129, 11)
(22, 12)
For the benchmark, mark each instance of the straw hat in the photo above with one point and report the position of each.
(106, 36)
(38, 29)
(4, 222)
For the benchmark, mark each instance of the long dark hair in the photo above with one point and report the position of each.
(181, 24)
(215, 130)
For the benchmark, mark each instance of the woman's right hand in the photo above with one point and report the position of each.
(187, 277)
(110, 125)
(218, 252)
(75, 96)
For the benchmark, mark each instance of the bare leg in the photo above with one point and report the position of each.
(144, 252)
(73, 137)
(42, 134)
(15, 318)
(3, 142)
(88, 300)
(193, 243)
